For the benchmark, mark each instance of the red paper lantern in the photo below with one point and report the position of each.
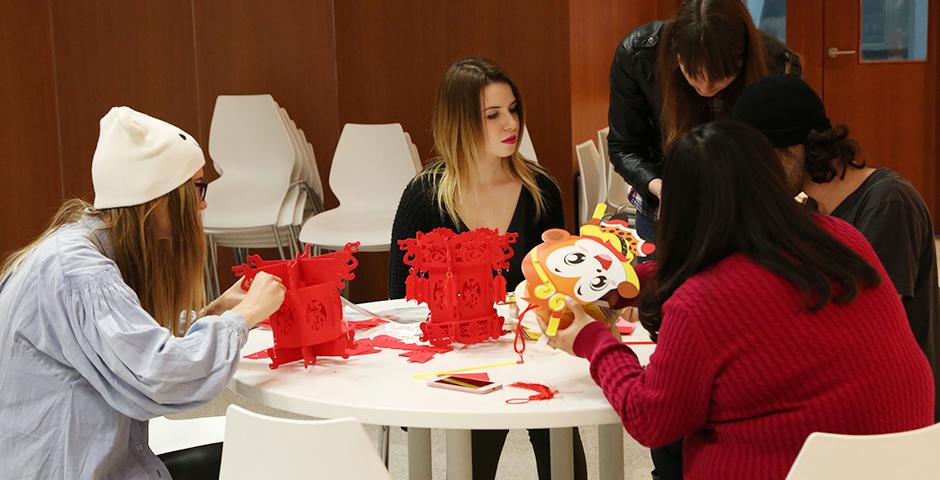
(310, 321)
(459, 277)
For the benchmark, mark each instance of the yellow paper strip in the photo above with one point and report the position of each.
(466, 369)
(553, 323)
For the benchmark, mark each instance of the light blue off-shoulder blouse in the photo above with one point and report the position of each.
(83, 367)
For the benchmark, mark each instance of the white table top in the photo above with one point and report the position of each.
(379, 388)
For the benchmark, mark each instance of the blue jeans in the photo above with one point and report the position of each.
(646, 229)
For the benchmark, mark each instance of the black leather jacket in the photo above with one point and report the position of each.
(635, 139)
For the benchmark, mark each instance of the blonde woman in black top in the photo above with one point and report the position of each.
(480, 180)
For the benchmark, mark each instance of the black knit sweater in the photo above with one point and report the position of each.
(418, 212)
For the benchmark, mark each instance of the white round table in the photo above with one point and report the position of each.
(380, 389)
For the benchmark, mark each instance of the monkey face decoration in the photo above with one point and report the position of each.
(590, 267)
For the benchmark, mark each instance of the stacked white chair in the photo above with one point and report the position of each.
(909, 455)
(593, 189)
(371, 167)
(269, 179)
(258, 446)
(617, 189)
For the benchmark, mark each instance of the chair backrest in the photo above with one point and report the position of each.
(617, 188)
(526, 149)
(908, 455)
(167, 435)
(250, 142)
(258, 446)
(605, 153)
(372, 166)
(593, 189)
(414, 152)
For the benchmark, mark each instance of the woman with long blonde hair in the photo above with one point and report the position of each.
(481, 180)
(97, 330)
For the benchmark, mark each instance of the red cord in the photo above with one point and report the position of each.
(542, 393)
(519, 335)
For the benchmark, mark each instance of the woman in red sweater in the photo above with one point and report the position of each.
(772, 322)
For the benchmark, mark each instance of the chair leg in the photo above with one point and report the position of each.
(277, 239)
(383, 443)
(292, 241)
(214, 268)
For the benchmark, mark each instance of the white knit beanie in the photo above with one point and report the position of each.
(140, 158)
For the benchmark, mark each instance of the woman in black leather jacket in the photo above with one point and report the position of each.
(666, 78)
(669, 76)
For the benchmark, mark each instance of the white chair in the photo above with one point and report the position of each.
(258, 446)
(168, 435)
(526, 149)
(371, 167)
(414, 152)
(618, 190)
(605, 153)
(591, 185)
(908, 455)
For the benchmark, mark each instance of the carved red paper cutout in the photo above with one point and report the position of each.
(459, 277)
(310, 321)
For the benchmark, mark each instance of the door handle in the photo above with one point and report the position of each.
(834, 52)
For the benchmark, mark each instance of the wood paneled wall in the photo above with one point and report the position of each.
(596, 31)
(31, 165)
(327, 62)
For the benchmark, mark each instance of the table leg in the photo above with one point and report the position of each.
(419, 453)
(459, 465)
(610, 451)
(562, 453)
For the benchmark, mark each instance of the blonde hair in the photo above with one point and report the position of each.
(457, 127)
(166, 274)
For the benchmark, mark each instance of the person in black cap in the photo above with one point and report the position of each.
(824, 162)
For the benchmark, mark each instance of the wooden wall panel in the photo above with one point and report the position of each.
(597, 29)
(113, 52)
(391, 57)
(805, 37)
(28, 124)
(248, 47)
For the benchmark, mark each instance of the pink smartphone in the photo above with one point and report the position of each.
(463, 384)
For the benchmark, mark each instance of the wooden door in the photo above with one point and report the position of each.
(889, 104)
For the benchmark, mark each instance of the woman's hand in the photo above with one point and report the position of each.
(231, 297)
(564, 339)
(264, 297)
(656, 187)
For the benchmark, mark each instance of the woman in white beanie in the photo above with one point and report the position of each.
(96, 315)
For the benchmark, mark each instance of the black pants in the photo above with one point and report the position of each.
(197, 463)
(667, 461)
(487, 447)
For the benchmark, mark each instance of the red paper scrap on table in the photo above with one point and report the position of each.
(258, 355)
(366, 324)
(414, 352)
(625, 329)
(418, 356)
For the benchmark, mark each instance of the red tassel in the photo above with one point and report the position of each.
(542, 392)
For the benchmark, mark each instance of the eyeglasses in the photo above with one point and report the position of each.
(201, 186)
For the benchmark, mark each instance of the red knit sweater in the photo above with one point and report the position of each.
(744, 373)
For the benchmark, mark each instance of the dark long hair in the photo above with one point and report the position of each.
(724, 192)
(829, 153)
(715, 38)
